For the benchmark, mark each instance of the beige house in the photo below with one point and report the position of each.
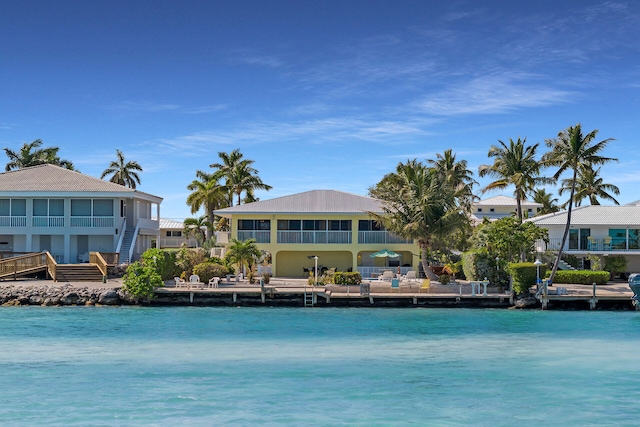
(332, 225)
(69, 214)
(172, 235)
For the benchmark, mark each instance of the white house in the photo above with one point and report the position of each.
(172, 235)
(70, 214)
(501, 206)
(597, 230)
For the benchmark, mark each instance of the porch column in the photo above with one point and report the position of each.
(67, 248)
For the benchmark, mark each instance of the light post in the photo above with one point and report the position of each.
(537, 264)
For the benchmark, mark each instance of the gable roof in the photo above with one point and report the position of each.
(315, 201)
(55, 179)
(505, 201)
(625, 215)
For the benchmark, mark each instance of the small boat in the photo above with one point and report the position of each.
(634, 284)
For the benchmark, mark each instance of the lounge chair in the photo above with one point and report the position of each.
(395, 284)
(425, 285)
(386, 275)
(410, 276)
(213, 282)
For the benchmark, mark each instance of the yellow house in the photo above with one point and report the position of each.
(332, 225)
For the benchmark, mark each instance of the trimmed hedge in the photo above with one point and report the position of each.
(347, 278)
(581, 277)
(524, 275)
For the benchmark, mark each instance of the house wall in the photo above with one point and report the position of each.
(288, 260)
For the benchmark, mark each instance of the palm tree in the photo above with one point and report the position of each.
(243, 253)
(197, 227)
(239, 175)
(124, 173)
(455, 174)
(514, 165)
(30, 154)
(418, 205)
(207, 193)
(569, 151)
(589, 185)
(548, 202)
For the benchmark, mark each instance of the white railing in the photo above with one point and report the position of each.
(381, 237)
(47, 221)
(123, 228)
(133, 241)
(259, 236)
(177, 242)
(92, 221)
(13, 221)
(315, 237)
(371, 272)
(152, 224)
(606, 244)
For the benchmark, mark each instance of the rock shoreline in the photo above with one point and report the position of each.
(63, 295)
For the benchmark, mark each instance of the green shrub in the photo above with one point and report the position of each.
(347, 278)
(524, 275)
(164, 262)
(582, 277)
(615, 264)
(140, 281)
(208, 270)
(187, 258)
(444, 279)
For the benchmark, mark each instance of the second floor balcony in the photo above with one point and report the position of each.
(314, 237)
(592, 244)
(381, 237)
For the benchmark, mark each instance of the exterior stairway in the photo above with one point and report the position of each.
(562, 265)
(127, 241)
(78, 273)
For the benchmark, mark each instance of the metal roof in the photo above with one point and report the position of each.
(55, 179)
(171, 223)
(505, 201)
(315, 201)
(626, 215)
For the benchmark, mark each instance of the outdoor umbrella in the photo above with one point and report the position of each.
(384, 253)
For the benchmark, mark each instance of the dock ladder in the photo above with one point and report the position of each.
(309, 297)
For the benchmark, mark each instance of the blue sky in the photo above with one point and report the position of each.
(322, 94)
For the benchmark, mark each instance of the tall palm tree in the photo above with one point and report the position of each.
(418, 205)
(548, 202)
(455, 174)
(239, 174)
(123, 172)
(515, 165)
(569, 151)
(197, 227)
(30, 154)
(243, 253)
(590, 186)
(207, 193)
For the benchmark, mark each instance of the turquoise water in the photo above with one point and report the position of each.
(193, 366)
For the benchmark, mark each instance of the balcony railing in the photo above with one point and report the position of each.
(380, 237)
(177, 242)
(47, 221)
(92, 221)
(314, 237)
(607, 244)
(13, 221)
(259, 236)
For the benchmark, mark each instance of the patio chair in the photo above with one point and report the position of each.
(179, 282)
(386, 275)
(194, 279)
(425, 285)
(410, 276)
(395, 284)
(213, 282)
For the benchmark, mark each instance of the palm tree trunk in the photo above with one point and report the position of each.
(566, 228)
(427, 271)
(523, 255)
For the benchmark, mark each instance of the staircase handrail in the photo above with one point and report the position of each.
(133, 240)
(19, 263)
(97, 259)
(123, 228)
(52, 264)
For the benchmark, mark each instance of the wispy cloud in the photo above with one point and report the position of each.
(154, 107)
(492, 94)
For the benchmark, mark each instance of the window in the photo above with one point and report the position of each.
(492, 210)
(18, 207)
(174, 233)
(91, 207)
(529, 210)
(289, 224)
(479, 209)
(80, 207)
(40, 207)
(367, 225)
(102, 207)
(5, 207)
(254, 224)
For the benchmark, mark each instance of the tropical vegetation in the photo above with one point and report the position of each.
(123, 172)
(31, 154)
